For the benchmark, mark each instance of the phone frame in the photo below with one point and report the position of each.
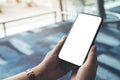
(92, 43)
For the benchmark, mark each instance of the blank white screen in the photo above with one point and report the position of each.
(79, 39)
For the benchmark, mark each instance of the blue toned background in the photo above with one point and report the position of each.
(25, 50)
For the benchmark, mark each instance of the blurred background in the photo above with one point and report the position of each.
(31, 28)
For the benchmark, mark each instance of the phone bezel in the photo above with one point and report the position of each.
(91, 42)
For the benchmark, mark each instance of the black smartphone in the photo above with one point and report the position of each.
(80, 39)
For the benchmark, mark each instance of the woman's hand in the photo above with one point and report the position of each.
(88, 70)
(52, 67)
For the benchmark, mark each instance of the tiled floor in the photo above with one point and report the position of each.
(36, 43)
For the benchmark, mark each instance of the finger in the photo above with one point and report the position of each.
(92, 58)
(59, 45)
(74, 69)
(73, 75)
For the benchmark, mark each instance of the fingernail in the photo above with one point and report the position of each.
(63, 38)
(94, 46)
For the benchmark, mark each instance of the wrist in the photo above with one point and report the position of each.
(39, 72)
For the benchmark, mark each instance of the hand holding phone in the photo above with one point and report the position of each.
(80, 39)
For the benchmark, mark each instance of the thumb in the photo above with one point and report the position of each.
(92, 57)
(73, 75)
(59, 45)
